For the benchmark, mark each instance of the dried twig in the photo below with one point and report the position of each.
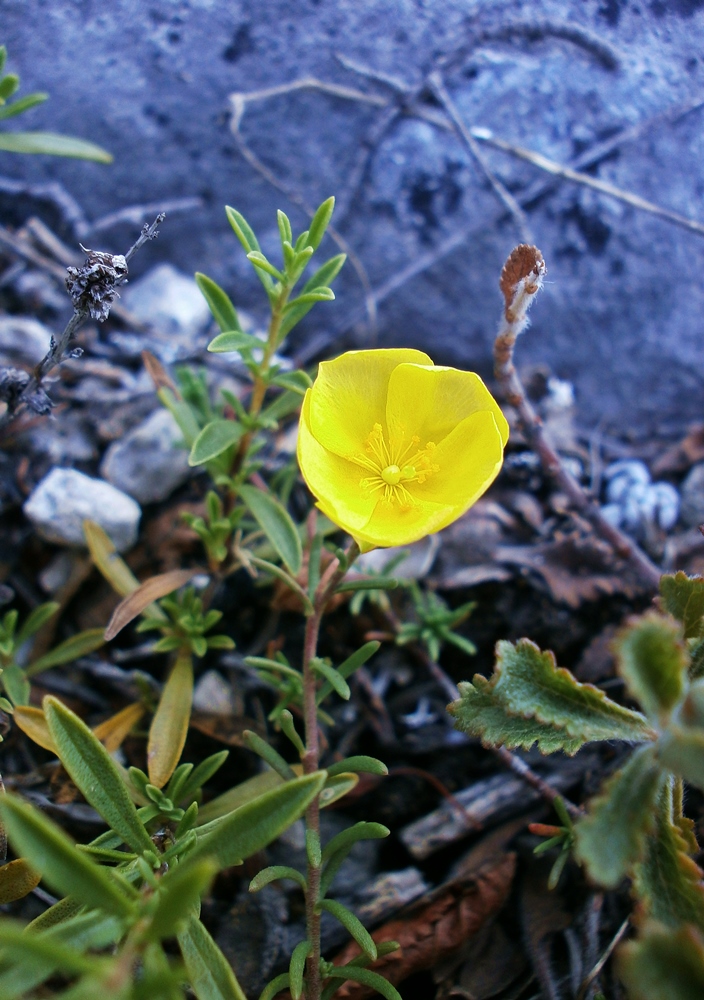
(92, 288)
(521, 278)
(588, 980)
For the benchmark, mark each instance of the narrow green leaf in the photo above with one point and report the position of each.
(107, 560)
(653, 661)
(202, 774)
(262, 264)
(178, 892)
(298, 381)
(285, 231)
(49, 851)
(326, 274)
(332, 676)
(3, 57)
(92, 769)
(293, 315)
(348, 666)
(612, 836)
(667, 882)
(21, 105)
(319, 294)
(320, 222)
(352, 924)
(682, 596)
(71, 649)
(372, 583)
(169, 728)
(15, 682)
(337, 787)
(360, 764)
(35, 620)
(260, 747)
(275, 872)
(234, 340)
(367, 978)
(297, 967)
(8, 86)
(277, 525)
(277, 985)
(238, 796)
(182, 413)
(224, 313)
(337, 849)
(32, 948)
(253, 826)
(663, 964)
(243, 230)
(52, 144)
(209, 972)
(215, 438)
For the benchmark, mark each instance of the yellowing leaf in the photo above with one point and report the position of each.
(33, 723)
(108, 561)
(143, 596)
(169, 728)
(112, 731)
(17, 879)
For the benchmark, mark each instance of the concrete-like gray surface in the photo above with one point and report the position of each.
(622, 313)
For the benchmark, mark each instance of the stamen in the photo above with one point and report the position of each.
(394, 466)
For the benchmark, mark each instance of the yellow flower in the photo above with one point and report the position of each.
(394, 447)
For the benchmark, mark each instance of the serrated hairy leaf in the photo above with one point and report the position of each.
(529, 683)
(682, 596)
(652, 659)
(663, 964)
(92, 769)
(611, 838)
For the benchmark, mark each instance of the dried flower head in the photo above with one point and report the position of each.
(93, 286)
(394, 447)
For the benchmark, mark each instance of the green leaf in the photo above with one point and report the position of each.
(35, 620)
(243, 230)
(71, 649)
(108, 562)
(234, 340)
(612, 836)
(297, 968)
(31, 948)
(320, 222)
(21, 105)
(348, 666)
(16, 685)
(663, 964)
(352, 924)
(528, 682)
(372, 583)
(667, 881)
(277, 985)
(178, 892)
(337, 787)
(360, 764)
(337, 849)
(238, 796)
(262, 264)
(169, 728)
(49, 851)
(275, 761)
(298, 381)
(8, 86)
(367, 978)
(332, 676)
(326, 274)
(182, 413)
(682, 596)
(319, 294)
(276, 523)
(653, 660)
(253, 826)
(202, 774)
(293, 315)
(480, 713)
(91, 768)
(215, 438)
(52, 144)
(224, 313)
(681, 749)
(209, 972)
(273, 874)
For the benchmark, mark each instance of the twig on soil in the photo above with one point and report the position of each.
(588, 980)
(92, 288)
(521, 278)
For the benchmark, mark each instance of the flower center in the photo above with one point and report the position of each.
(394, 467)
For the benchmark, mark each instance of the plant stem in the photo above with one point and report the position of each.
(311, 760)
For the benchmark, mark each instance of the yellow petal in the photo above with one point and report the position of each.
(335, 482)
(389, 525)
(431, 401)
(468, 460)
(349, 397)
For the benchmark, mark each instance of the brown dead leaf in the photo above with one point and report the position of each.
(523, 261)
(226, 729)
(140, 599)
(158, 374)
(437, 926)
(167, 537)
(113, 731)
(684, 454)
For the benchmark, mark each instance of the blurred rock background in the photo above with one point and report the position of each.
(622, 314)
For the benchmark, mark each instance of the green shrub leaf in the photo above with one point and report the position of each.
(49, 851)
(682, 596)
(612, 836)
(52, 144)
(209, 973)
(353, 925)
(179, 891)
(234, 340)
(367, 978)
(653, 660)
(71, 649)
(277, 525)
(663, 964)
(215, 438)
(224, 313)
(92, 769)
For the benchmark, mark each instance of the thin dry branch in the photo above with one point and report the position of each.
(521, 278)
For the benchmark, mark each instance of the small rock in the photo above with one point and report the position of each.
(416, 564)
(23, 339)
(213, 694)
(168, 300)
(622, 476)
(692, 491)
(65, 498)
(634, 503)
(146, 463)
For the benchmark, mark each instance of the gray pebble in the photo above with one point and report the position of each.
(147, 463)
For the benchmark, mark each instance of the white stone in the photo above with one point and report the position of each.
(24, 339)
(146, 463)
(169, 300)
(65, 498)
